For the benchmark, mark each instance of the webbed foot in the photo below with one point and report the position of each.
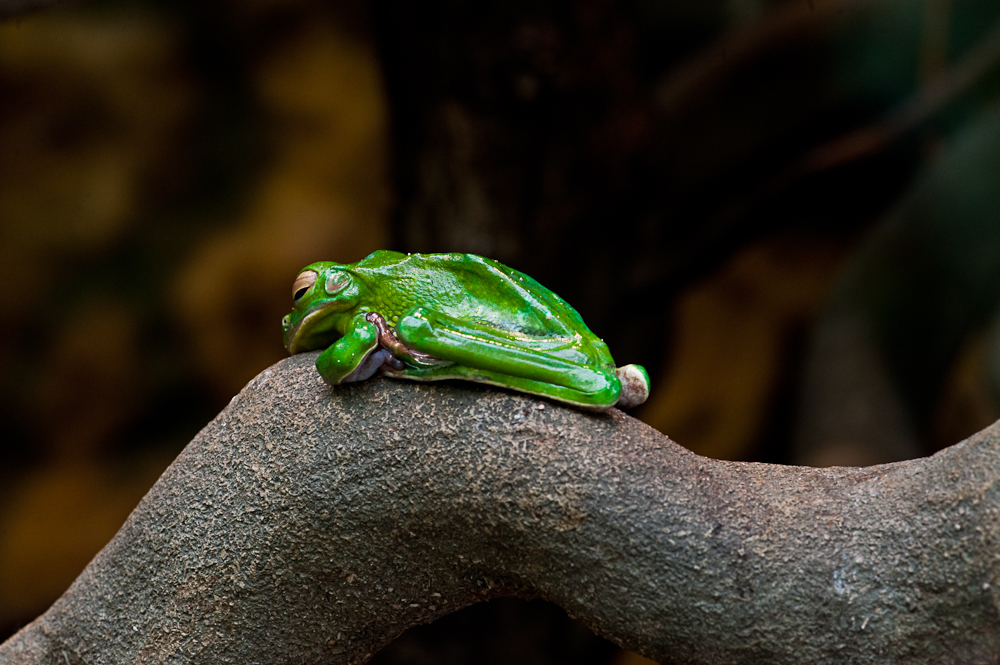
(635, 386)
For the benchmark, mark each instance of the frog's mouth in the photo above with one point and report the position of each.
(297, 337)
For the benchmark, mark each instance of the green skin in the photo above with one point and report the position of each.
(429, 317)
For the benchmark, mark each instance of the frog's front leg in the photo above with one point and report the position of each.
(521, 361)
(354, 357)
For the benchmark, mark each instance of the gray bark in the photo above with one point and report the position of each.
(311, 524)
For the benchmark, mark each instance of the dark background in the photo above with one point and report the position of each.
(788, 211)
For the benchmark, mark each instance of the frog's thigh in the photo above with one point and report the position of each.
(344, 361)
(480, 347)
(597, 401)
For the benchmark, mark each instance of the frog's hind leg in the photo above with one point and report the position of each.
(600, 401)
(517, 360)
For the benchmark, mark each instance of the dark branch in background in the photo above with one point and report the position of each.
(700, 74)
(309, 524)
(914, 112)
(697, 76)
(13, 8)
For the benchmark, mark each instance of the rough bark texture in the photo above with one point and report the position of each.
(309, 524)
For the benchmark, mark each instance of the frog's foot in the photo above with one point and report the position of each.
(371, 364)
(635, 386)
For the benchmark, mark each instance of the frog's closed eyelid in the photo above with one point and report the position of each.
(336, 282)
(303, 283)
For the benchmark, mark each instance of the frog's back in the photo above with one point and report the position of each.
(466, 286)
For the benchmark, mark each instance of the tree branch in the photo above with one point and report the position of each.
(314, 524)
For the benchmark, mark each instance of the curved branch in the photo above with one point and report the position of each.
(310, 524)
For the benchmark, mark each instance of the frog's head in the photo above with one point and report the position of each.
(320, 292)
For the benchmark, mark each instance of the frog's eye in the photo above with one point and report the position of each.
(303, 283)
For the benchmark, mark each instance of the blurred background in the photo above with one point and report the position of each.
(787, 210)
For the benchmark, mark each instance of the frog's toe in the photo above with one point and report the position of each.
(635, 386)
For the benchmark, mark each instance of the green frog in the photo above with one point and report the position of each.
(428, 317)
